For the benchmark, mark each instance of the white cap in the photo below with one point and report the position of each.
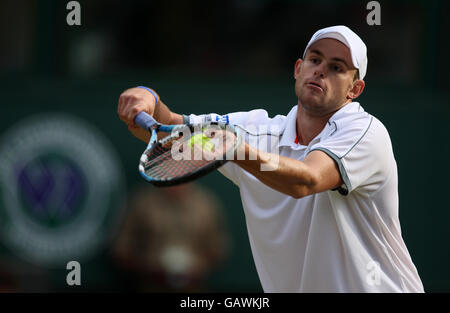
(358, 49)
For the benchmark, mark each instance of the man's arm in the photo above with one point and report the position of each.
(135, 100)
(316, 173)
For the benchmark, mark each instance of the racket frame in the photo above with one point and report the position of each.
(155, 127)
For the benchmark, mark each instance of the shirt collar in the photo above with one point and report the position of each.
(350, 108)
(290, 131)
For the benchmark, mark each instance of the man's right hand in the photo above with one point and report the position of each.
(133, 101)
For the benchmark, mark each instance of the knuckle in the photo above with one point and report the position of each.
(134, 99)
(135, 110)
(123, 95)
(122, 115)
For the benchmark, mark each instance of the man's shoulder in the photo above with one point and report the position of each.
(355, 121)
(356, 131)
(351, 125)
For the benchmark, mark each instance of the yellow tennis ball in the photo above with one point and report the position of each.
(203, 141)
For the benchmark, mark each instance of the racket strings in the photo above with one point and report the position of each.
(162, 165)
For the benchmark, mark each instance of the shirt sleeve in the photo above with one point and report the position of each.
(363, 153)
(243, 119)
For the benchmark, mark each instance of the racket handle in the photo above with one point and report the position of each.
(144, 120)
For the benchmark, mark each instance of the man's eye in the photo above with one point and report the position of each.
(315, 60)
(336, 68)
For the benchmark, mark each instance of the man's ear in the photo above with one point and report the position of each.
(297, 68)
(356, 89)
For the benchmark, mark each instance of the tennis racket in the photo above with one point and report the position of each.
(188, 152)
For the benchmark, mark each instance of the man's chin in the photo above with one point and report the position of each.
(312, 103)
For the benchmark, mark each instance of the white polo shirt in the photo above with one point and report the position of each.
(346, 240)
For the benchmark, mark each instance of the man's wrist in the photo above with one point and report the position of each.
(155, 95)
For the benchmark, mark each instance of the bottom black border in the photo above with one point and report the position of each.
(222, 302)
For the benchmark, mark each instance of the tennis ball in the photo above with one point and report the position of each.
(203, 141)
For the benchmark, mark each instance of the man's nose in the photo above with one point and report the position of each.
(320, 70)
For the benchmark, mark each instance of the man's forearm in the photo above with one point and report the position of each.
(286, 175)
(164, 116)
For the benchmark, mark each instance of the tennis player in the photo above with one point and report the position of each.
(325, 219)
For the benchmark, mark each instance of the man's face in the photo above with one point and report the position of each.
(325, 79)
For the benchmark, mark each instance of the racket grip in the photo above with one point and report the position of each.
(144, 120)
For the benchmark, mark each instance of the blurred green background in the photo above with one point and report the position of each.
(226, 56)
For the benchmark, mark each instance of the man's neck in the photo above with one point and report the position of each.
(310, 125)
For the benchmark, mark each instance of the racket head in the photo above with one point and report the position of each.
(177, 159)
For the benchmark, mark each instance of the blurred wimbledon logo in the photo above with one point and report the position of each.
(61, 189)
